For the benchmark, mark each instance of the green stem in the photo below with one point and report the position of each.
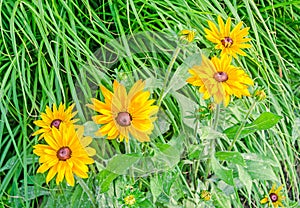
(87, 191)
(128, 151)
(239, 131)
(212, 141)
(169, 69)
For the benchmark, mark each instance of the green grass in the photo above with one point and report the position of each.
(53, 51)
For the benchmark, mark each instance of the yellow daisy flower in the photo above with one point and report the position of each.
(54, 118)
(188, 35)
(219, 79)
(65, 153)
(122, 114)
(274, 197)
(230, 42)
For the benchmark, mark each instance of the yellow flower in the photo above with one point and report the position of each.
(122, 114)
(54, 118)
(129, 200)
(65, 153)
(188, 35)
(219, 79)
(274, 197)
(260, 95)
(205, 195)
(230, 42)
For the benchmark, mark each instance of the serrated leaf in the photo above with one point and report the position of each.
(223, 173)
(265, 121)
(234, 157)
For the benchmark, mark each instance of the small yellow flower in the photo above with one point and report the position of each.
(230, 42)
(274, 197)
(53, 119)
(65, 153)
(205, 195)
(260, 95)
(188, 35)
(122, 114)
(130, 200)
(219, 79)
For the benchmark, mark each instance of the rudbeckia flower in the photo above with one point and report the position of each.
(53, 119)
(187, 35)
(123, 114)
(219, 79)
(230, 42)
(274, 197)
(65, 153)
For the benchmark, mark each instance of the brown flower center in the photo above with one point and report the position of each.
(221, 77)
(227, 42)
(56, 123)
(64, 153)
(124, 119)
(273, 197)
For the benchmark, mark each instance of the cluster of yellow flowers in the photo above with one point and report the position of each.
(66, 150)
(217, 78)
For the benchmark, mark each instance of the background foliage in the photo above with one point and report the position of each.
(53, 51)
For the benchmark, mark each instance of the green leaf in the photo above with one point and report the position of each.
(11, 162)
(90, 128)
(118, 165)
(156, 187)
(223, 173)
(234, 157)
(260, 171)
(105, 178)
(265, 121)
(260, 159)
(220, 200)
(168, 154)
(245, 178)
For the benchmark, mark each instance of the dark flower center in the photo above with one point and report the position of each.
(64, 153)
(56, 123)
(273, 197)
(221, 76)
(124, 119)
(227, 42)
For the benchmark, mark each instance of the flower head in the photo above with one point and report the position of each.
(65, 153)
(219, 79)
(230, 42)
(188, 35)
(53, 119)
(122, 114)
(260, 95)
(274, 197)
(205, 195)
(129, 200)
